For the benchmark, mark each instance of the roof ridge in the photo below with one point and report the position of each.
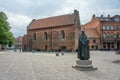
(55, 16)
(60, 20)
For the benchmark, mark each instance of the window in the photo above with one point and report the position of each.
(104, 35)
(118, 35)
(108, 35)
(112, 35)
(107, 27)
(112, 28)
(104, 45)
(96, 46)
(62, 34)
(103, 27)
(92, 47)
(94, 41)
(45, 35)
(112, 44)
(34, 36)
(117, 19)
(117, 27)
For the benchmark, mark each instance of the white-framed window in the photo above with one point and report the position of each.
(117, 19)
(104, 35)
(112, 28)
(103, 27)
(107, 27)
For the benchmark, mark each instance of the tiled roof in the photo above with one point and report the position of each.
(62, 20)
(92, 33)
(105, 18)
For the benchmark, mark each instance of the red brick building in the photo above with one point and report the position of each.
(18, 42)
(53, 33)
(107, 31)
(24, 42)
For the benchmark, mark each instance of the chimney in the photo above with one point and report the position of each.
(93, 16)
(76, 11)
(108, 16)
(102, 16)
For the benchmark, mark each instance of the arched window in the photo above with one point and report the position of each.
(62, 34)
(45, 35)
(34, 36)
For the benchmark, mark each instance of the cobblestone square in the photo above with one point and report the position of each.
(48, 66)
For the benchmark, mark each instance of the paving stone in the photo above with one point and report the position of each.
(47, 66)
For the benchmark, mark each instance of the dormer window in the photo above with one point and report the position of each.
(117, 19)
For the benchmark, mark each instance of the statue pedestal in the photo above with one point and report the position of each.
(84, 65)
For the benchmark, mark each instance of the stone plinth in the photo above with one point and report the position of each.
(84, 65)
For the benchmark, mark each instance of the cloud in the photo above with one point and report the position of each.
(17, 19)
(18, 23)
(21, 12)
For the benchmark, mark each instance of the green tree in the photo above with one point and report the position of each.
(6, 37)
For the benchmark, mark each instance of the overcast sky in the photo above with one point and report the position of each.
(21, 12)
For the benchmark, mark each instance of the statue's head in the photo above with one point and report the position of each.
(83, 32)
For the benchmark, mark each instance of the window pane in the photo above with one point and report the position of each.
(117, 27)
(117, 19)
(119, 36)
(107, 27)
(94, 41)
(104, 35)
(45, 35)
(103, 27)
(34, 36)
(112, 28)
(112, 35)
(62, 34)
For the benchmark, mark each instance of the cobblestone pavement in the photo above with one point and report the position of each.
(48, 66)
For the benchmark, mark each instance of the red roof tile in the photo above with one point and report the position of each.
(62, 20)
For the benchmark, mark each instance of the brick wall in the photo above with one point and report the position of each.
(54, 40)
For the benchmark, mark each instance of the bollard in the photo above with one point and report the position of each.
(33, 51)
(62, 53)
(57, 54)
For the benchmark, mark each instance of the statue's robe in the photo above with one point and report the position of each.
(83, 48)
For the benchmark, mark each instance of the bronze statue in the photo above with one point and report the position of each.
(83, 47)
